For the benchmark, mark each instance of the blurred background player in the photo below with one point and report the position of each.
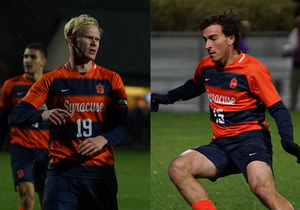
(239, 89)
(28, 144)
(245, 28)
(88, 114)
(292, 48)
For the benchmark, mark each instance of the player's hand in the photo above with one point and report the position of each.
(91, 146)
(55, 116)
(292, 148)
(157, 99)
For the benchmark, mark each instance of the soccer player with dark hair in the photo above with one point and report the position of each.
(28, 144)
(239, 90)
(87, 109)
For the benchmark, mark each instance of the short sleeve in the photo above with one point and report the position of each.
(38, 93)
(262, 85)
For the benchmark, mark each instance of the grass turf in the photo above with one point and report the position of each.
(133, 172)
(173, 133)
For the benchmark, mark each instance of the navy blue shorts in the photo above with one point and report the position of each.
(69, 193)
(231, 155)
(30, 165)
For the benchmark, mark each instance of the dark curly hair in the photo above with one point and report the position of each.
(229, 22)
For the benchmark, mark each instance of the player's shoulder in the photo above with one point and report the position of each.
(255, 71)
(16, 78)
(14, 81)
(106, 73)
(252, 65)
(250, 61)
(206, 61)
(104, 70)
(58, 72)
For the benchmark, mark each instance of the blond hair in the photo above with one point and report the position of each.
(74, 26)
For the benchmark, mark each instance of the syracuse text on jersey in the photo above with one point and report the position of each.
(220, 99)
(83, 107)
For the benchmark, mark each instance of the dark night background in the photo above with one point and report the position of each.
(124, 46)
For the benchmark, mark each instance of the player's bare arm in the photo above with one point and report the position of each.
(91, 146)
(55, 116)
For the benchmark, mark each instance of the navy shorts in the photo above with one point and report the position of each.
(30, 165)
(69, 193)
(231, 155)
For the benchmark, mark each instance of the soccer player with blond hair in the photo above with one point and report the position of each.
(88, 114)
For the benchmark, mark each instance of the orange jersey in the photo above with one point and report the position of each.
(88, 99)
(33, 136)
(238, 94)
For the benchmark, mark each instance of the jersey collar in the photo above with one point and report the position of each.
(68, 66)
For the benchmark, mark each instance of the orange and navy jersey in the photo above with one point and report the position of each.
(33, 136)
(88, 98)
(238, 94)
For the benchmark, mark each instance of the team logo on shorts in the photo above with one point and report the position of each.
(233, 83)
(100, 89)
(20, 173)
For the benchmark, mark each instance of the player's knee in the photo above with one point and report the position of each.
(176, 170)
(257, 190)
(262, 191)
(26, 197)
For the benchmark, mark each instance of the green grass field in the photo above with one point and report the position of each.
(142, 183)
(171, 134)
(133, 173)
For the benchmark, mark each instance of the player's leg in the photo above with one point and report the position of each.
(294, 88)
(98, 194)
(25, 192)
(41, 196)
(41, 165)
(297, 86)
(261, 182)
(60, 193)
(184, 170)
(23, 174)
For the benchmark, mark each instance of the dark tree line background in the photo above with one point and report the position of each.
(186, 15)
